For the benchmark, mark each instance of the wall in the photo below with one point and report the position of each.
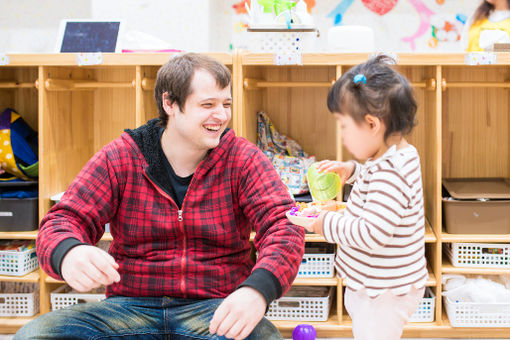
(391, 20)
(30, 26)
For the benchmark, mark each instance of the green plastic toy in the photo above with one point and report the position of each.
(323, 185)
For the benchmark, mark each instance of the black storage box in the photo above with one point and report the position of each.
(19, 214)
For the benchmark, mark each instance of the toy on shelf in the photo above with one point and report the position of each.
(278, 14)
(282, 27)
(304, 332)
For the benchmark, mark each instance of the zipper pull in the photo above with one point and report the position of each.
(180, 216)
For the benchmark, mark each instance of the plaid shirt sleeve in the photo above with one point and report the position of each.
(81, 213)
(265, 200)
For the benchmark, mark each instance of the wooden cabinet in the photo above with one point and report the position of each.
(463, 115)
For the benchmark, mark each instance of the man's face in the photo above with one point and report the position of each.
(205, 114)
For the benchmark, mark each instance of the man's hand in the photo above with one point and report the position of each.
(238, 314)
(86, 267)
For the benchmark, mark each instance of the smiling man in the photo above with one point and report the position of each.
(182, 194)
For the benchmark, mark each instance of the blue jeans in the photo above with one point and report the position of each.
(135, 318)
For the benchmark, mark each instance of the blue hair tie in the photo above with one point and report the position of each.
(360, 77)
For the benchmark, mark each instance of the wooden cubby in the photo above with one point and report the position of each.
(463, 131)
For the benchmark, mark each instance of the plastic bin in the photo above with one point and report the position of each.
(65, 296)
(476, 205)
(426, 308)
(282, 41)
(472, 314)
(479, 255)
(18, 263)
(302, 303)
(318, 261)
(19, 214)
(19, 304)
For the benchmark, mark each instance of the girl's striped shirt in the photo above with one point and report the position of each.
(381, 233)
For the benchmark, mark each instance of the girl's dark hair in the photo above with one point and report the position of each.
(176, 75)
(484, 10)
(378, 90)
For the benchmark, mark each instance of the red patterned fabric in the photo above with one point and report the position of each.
(202, 251)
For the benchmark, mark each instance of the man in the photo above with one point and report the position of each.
(182, 194)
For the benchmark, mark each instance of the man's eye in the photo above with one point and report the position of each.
(227, 105)
(207, 105)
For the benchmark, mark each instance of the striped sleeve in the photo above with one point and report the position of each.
(373, 224)
(355, 173)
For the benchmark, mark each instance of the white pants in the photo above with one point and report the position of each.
(382, 317)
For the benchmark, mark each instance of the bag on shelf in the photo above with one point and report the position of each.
(18, 146)
(289, 159)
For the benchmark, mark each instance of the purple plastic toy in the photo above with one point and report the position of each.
(304, 332)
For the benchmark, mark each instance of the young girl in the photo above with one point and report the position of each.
(489, 24)
(381, 233)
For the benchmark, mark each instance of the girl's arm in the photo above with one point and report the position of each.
(368, 225)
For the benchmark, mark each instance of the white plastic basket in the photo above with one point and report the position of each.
(295, 305)
(18, 263)
(426, 308)
(64, 296)
(19, 304)
(318, 261)
(278, 41)
(480, 255)
(472, 314)
(317, 265)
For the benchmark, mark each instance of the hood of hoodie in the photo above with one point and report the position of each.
(147, 138)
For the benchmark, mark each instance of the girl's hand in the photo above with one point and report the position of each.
(316, 227)
(343, 169)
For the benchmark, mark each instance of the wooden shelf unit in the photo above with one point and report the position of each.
(463, 131)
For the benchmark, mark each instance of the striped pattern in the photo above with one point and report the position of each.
(381, 234)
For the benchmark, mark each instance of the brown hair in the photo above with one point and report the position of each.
(484, 10)
(375, 88)
(176, 75)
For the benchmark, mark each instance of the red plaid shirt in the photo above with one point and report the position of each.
(200, 251)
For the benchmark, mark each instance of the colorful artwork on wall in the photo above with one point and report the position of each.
(405, 25)
(310, 4)
(338, 13)
(380, 7)
(240, 8)
(424, 13)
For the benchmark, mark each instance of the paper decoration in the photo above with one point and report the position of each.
(288, 58)
(240, 8)
(380, 7)
(4, 59)
(444, 30)
(425, 13)
(481, 58)
(461, 17)
(84, 59)
(309, 5)
(338, 13)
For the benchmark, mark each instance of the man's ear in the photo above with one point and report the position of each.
(168, 105)
(374, 123)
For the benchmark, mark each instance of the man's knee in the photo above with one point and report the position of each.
(265, 330)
